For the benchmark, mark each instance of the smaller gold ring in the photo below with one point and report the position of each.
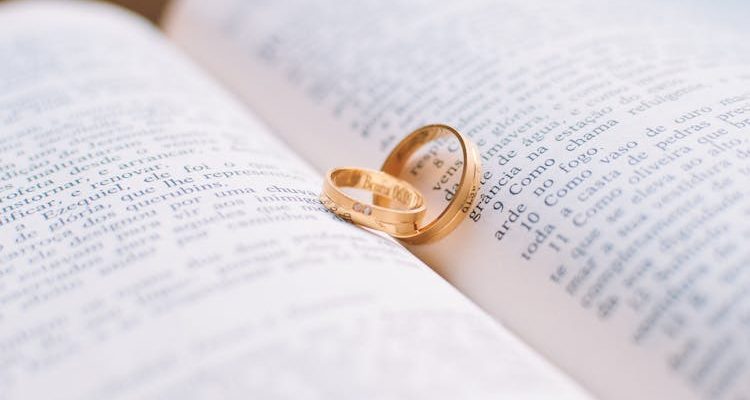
(393, 221)
(466, 191)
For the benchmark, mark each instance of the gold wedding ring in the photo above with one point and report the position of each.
(467, 190)
(393, 221)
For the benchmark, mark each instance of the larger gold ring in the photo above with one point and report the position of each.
(467, 190)
(390, 220)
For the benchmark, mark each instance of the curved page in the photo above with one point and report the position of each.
(612, 225)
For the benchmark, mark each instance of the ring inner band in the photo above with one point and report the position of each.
(379, 184)
(465, 194)
(394, 221)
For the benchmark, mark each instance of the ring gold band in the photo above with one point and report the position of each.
(394, 221)
(464, 196)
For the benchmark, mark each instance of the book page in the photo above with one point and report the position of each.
(611, 228)
(157, 242)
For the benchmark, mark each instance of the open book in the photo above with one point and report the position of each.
(161, 235)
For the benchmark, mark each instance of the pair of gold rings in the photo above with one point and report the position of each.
(404, 223)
